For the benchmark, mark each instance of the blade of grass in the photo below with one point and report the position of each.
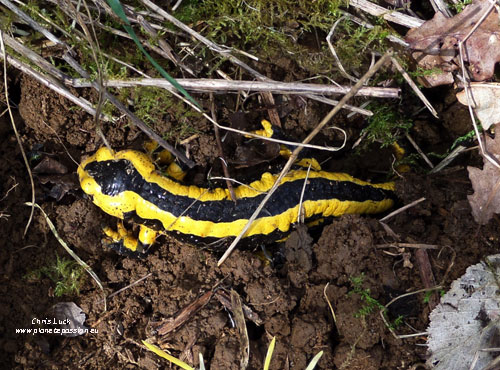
(118, 9)
(166, 356)
(269, 355)
(314, 361)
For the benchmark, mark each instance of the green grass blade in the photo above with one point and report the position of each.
(269, 354)
(116, 6)
(166, 356)
(314, 361)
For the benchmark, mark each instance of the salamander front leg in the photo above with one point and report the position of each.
(165, 161)
(124, 242)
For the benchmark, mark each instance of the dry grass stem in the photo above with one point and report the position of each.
(449, 158)
(440, 6)
(77, 67)
(353, 109)
(300, 214)
(419, 151)
(224, 51)
(334, 53)
(389, 15)
(54, 85)
(332, 311)
(236, 182)
(466, 82)
(129, 286)
(414, 87)
(221, 151)
(402, 209)
(382, 311)
(67, 248)
(408, 245)
(14, 127)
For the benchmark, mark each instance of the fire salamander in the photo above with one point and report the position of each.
(127, 185)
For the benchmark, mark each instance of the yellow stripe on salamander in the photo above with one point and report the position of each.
(129, 201)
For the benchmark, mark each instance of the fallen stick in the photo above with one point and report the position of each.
(213, 85)
(388, 15)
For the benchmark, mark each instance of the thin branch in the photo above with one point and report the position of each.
(213, 85)
(388, 15)
(54, 85)
(399, 210)
(221, 151)
(415, 88)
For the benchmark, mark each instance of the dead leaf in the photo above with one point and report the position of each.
(486, 184)
(440, 37)
(485, 101)
(466, 321)
(239, 320)
(50, 166)
(71, 319)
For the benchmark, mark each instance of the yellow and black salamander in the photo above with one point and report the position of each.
(126, 184)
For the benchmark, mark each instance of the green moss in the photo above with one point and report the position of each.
(66, 274)
(386, 125)
(370, 303)
(459, 5)
(296, 29)
(154, 104)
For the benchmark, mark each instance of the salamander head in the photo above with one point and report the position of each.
(104, 174)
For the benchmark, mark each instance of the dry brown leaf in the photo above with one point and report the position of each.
(485, 101)
(486, 184)
(440, 36)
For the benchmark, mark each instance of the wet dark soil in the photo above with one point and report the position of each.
(290, 298)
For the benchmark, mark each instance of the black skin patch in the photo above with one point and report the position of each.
(116, 176)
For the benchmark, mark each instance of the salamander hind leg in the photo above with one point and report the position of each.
(125, 243)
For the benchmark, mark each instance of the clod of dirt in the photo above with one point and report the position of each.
(47, 114)
(298, 255)
(440, 36)
(486, 183)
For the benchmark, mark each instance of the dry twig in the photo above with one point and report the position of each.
(389, 15)
(399, 210)
(185, 314)
(218, 85)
